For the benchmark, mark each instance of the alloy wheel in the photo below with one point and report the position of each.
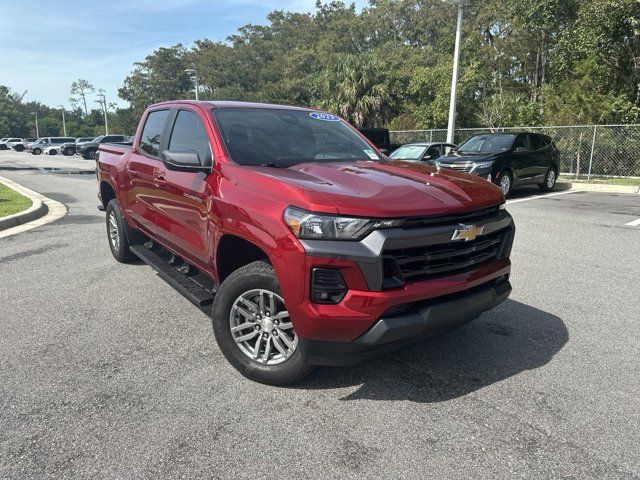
(261, 327)
(114, 231)
(505, 184)
(551, 178)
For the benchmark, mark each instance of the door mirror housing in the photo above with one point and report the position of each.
(186, 161)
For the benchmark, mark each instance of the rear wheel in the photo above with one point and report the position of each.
(67, 152)
(505, 181)
(53, 151)
(253, 329)
(549, 180)
(116, 233)
(37, 151)
(90, 155)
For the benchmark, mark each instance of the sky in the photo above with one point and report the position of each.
(47, 44)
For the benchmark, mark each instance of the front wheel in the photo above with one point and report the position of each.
(549, 180)
(253, 328)
(116, 233)
(504, 181)
(37, 151)
(90, 155)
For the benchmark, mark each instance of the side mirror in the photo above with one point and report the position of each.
(187, 160)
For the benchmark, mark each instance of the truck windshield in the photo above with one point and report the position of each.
(285, 137)
(487, 144)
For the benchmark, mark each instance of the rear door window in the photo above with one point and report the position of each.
(151, 137)
(536, 142)
(521, 142)
(189, 135)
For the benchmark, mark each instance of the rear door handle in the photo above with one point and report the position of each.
(160, 182)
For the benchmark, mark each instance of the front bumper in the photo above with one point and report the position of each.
(426, 320)
(372, 289)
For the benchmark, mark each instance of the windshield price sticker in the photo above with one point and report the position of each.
(326, 117)
(372, 155)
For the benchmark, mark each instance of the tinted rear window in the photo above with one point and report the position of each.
(151, 137)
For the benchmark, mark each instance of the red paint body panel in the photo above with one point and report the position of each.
(194, 211)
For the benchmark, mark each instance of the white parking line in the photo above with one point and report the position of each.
(536, 197)
(635, 223)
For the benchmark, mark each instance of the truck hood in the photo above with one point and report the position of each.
(395, 189)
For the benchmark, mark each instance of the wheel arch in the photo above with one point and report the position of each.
(234, 252)
(107, 193)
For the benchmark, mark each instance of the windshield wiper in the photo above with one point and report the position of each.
(273, 165)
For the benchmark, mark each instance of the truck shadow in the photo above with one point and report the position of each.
(502, 343)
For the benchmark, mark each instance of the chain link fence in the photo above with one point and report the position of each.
(585, 150)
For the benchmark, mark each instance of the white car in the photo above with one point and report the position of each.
(52, 150)
(7, 143)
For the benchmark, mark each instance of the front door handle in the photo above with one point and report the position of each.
(133, 173)
(160, 182)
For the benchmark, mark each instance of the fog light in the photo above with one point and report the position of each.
(327, 286)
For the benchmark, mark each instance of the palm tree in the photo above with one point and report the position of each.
(357, 88)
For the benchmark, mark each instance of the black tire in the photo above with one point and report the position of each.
(114, 220)
(256, 275)
(53, 151)
(550, 179)
(505, 182)
(36, 151)
(67, 152)
(19, 148)
(89, 155)
(3, 147)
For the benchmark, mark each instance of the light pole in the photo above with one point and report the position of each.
(456, 65)
(64, 123)
(103, 105)
(194, 73)
(37, 129)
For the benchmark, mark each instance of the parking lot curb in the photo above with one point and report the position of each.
(599, 187)
(42, 211)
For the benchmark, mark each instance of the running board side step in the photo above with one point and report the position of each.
(192, 291)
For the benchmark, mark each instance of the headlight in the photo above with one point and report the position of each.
(317, 226)
(479, 165)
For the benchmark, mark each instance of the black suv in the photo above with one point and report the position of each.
(88, 150)
(508, 159)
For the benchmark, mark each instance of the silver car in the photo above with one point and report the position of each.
(39, 145)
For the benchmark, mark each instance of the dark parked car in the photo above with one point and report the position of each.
(71, 148)
(508, 159)
(88, 150)
(422, 152)
(379, 137)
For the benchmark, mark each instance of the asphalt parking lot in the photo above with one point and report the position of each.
(105, 371)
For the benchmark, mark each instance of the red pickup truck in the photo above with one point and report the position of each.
(312, 247)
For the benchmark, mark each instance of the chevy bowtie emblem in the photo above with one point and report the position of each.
(467, 232)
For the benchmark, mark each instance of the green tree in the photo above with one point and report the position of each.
(160, 77)
(81, 88)
(357, 88)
